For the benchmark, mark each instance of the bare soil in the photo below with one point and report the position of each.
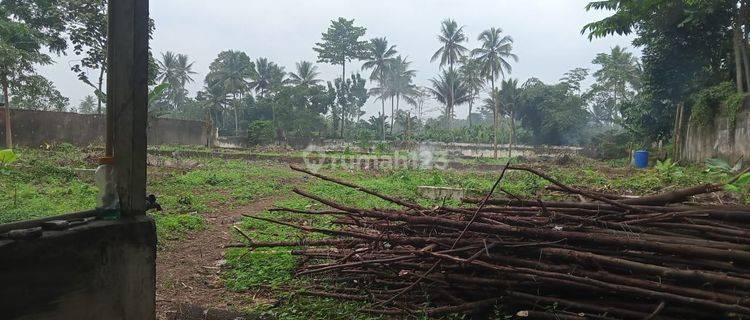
(188, 283)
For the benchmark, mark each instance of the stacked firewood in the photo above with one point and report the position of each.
(609, 257)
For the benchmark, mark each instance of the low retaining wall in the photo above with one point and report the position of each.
(718, 140)
(35, 128)
(101, 270)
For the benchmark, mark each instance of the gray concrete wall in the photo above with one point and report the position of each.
(717, 140)
(102, 270)
(35, 128)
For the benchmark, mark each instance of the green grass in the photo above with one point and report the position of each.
(305, 308)
(45, 183)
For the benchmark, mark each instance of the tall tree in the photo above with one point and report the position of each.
(86, 25)
(306, 74)
(510, 98)
(229, 74)
(382, 93)
(419, 101)
(494, 55)
(27, 27)
(400, 83)
(573, 78)
(351, 96)
(267, 76)
(555, 114)
(213, 100)
(340, 44)
(300, 108)
(471, 74)
(380, 58)
(451, 38)
(35, 92)
(449, 90)
(87, 105)
(177, 71)
(687, 46)
(87, 31)
(617, 82)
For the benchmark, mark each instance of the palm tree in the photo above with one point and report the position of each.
(306, 75)
(449, 90)
(176, 70)
(510, 97)
(400, 84)
(451, 36)
(213, 101)
(381, 92)
(380, 59)
(493, 56)
(471, 74)
(619, 78)
(230, 73)
(267, 75)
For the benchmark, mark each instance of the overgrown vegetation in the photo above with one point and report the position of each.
(44, 183)
(59, 180)
(708, 102)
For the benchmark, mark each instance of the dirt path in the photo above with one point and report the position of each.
(187, 272)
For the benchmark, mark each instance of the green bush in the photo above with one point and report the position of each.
(608, 145)
(706, 104)
(260, 132)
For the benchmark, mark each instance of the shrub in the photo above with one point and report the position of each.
(608, 145)
(706, 104)
(260, 132)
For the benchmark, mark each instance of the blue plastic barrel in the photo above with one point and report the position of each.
(640, 158)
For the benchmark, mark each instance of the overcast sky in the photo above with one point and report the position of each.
(546, 33)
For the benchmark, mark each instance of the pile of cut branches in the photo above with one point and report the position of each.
(609, 257)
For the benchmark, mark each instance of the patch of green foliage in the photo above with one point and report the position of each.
(43, 183)
(271, 268)
(669, 169)
(734, 105)
(707, 104)
(723, 171)
(260, 132)
(40, 184)
(174, 226)
(304, 308)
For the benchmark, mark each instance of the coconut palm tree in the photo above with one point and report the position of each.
(306, 74)
(617, 81)
(380, 58)
(510, 98)
(213, 100)
(449, 90)
(471, 74)
(381, 92)
(400, 83)
(230, 73)
(268, 75)
(176, 70)
(451, 37)
(493, 56)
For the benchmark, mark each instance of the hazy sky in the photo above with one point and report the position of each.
(546, 33)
